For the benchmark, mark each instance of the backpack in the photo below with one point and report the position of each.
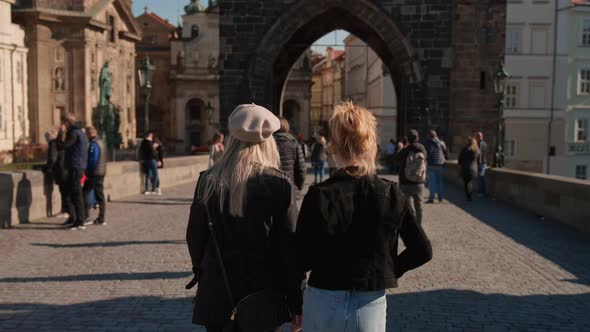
(415, 169)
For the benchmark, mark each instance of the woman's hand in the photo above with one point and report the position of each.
(296, 323)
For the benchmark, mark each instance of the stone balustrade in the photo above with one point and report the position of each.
(24, 196)
(558, 198)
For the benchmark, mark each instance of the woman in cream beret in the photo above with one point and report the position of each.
(251, 205)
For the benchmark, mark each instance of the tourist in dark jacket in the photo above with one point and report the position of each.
(413, 187)
(150, 164)
(318, 158)
(468, 165)
(292, 160)
(75, 146)
(54, 172)
(95, 173)
(482, 163)
(251, 206)
(436, 151)
(347, 234)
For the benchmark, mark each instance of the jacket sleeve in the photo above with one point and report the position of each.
(299, 168)
(197, 233)
(71, 139)
(418, 248)
(93, 155)
(284, 246)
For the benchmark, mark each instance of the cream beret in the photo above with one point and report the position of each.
(252, 123)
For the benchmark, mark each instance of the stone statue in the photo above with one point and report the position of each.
(104, 118)
(105, 84)
(59, 79)
(212, 65)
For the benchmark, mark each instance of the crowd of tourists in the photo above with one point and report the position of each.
(77, 163)
(252, 250)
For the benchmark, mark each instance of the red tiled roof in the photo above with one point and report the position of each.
(336, 54)
(161, 20)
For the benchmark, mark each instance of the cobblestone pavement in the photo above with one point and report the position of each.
(494, 269)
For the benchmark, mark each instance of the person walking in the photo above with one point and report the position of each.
(75, 146)
(150, 164)
(216, 148)
(96, 170)
(292, 159)
(390, 150)
(436, 154)
(318, 158)
(482, 164)
(52, 171)
(412, 175)
(347, 234)
(242, 221)
(468, 165)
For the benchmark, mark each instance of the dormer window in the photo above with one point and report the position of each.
(194, 31)
(113, 31)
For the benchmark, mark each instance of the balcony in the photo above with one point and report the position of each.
(578, 148)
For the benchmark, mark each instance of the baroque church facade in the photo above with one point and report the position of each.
(69, 42)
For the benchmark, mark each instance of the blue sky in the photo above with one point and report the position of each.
(172, 9)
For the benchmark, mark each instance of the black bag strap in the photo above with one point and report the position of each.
(213, 237)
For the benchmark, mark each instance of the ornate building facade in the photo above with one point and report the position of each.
(14, 119)
(69, 43)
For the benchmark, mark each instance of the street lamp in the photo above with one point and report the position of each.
(500, 84)
(145, 73)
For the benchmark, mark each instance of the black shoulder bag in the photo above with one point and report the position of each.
(258, 312)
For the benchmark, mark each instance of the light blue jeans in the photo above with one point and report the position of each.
(343, 311)
(435, 181)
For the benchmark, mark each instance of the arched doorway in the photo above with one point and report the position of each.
(195, 123)
(284, 43)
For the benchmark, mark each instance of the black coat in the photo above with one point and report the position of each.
(255, 248)
(468, 160)
(75, 149)
(347, 234)
(292, 159)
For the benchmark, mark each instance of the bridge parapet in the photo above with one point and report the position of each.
(558, 198)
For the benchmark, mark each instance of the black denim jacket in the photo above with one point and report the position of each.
(347, 234)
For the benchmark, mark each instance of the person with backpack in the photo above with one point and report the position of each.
(292, 159)
(348, 232)
(436, 151)
(412, 175)
(240, 232)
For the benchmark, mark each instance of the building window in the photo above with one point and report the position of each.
(585, 38)
(581, 130)
(511, 95)
(582, 172)
(113, 32)
(482, 80)
(584, 81)
(513, 40)
(194, 31)
(510, 148)
(539, 37)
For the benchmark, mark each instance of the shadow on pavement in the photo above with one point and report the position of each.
(156, 202)
(439, 310)
(559, 243)
(102, 277)
(104, 244)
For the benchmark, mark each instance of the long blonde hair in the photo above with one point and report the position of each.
(354, 135)
(240, 162)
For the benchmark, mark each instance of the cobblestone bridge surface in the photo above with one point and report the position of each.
(494, 269)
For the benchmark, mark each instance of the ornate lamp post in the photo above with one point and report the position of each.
(500, 84)
(146, 71)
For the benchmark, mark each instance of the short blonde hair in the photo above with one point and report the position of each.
(354, 135)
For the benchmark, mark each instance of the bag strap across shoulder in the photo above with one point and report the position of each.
(213, 237)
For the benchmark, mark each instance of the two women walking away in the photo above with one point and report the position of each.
(468, 165)
(244, 209)
(243, 229)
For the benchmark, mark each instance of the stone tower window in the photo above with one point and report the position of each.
(194, 31)
(113, 31)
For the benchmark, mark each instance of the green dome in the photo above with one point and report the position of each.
(194, 7)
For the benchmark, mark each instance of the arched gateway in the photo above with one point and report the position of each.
(418, 41)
